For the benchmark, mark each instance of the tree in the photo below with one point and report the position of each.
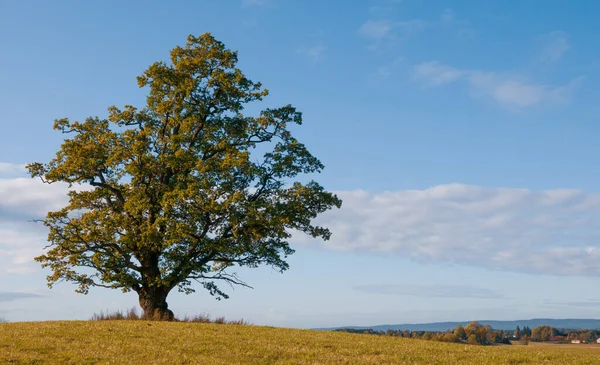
(450, 337)
(472, 340)
(518, 333)
(495, 336)
(543, 333)
(588, 336)
(459, 332)
(183, 189)
(472, 328)
(482, 334)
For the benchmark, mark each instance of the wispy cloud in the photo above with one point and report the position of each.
(545, 232)
(435, 73)
(249, 3)
(554, 46)
(385, 30)
(550, 232)
(520, 93)
(376, 29)
(385, 7)
(313, 53)
(21, 201)
(11, 296)
(386, 71)
(506, 89)
(448, 16)
(579, 304)
(380, 9)
(11, 169)
(411, 26)
(432, 291)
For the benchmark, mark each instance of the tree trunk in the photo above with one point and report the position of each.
(153, 301)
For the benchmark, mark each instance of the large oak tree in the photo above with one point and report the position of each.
(183, 189)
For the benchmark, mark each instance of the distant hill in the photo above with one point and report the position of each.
(576, 323)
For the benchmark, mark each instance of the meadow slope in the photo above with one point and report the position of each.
(141, 342)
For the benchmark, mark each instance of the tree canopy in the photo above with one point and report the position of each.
(183, 189)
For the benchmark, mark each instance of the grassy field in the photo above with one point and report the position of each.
(141, 342)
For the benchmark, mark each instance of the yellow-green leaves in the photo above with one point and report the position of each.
(184, 188)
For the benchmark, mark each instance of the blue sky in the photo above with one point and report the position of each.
(461, 135)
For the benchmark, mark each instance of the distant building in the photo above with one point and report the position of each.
(575, 341)
(598, 340)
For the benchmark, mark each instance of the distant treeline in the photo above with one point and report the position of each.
(477, 334)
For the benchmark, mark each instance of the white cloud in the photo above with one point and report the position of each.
(380, 9)
(508, 90)
(595, 303)
(547, 232)
(386, 71)
(411, 26)
(434, 73)
(514, 92)
(550, 232)
(21, 201)
(554, 46)
(11, 169)
(314, 53)
(447, 16)
(432, 291)
(19, 244)
(10, 296)
(248, 3)
(376, 29)
(25, 198)
(384, 28)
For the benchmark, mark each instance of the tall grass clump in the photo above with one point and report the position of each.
(132, 314)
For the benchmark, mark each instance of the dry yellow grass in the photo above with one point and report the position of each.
(141, 342)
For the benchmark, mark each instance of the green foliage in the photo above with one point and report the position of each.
(460, 332)
(543, 333)
(472, 340)
(450, 337)
(476, 334)
(183, 189)
(518, 333)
